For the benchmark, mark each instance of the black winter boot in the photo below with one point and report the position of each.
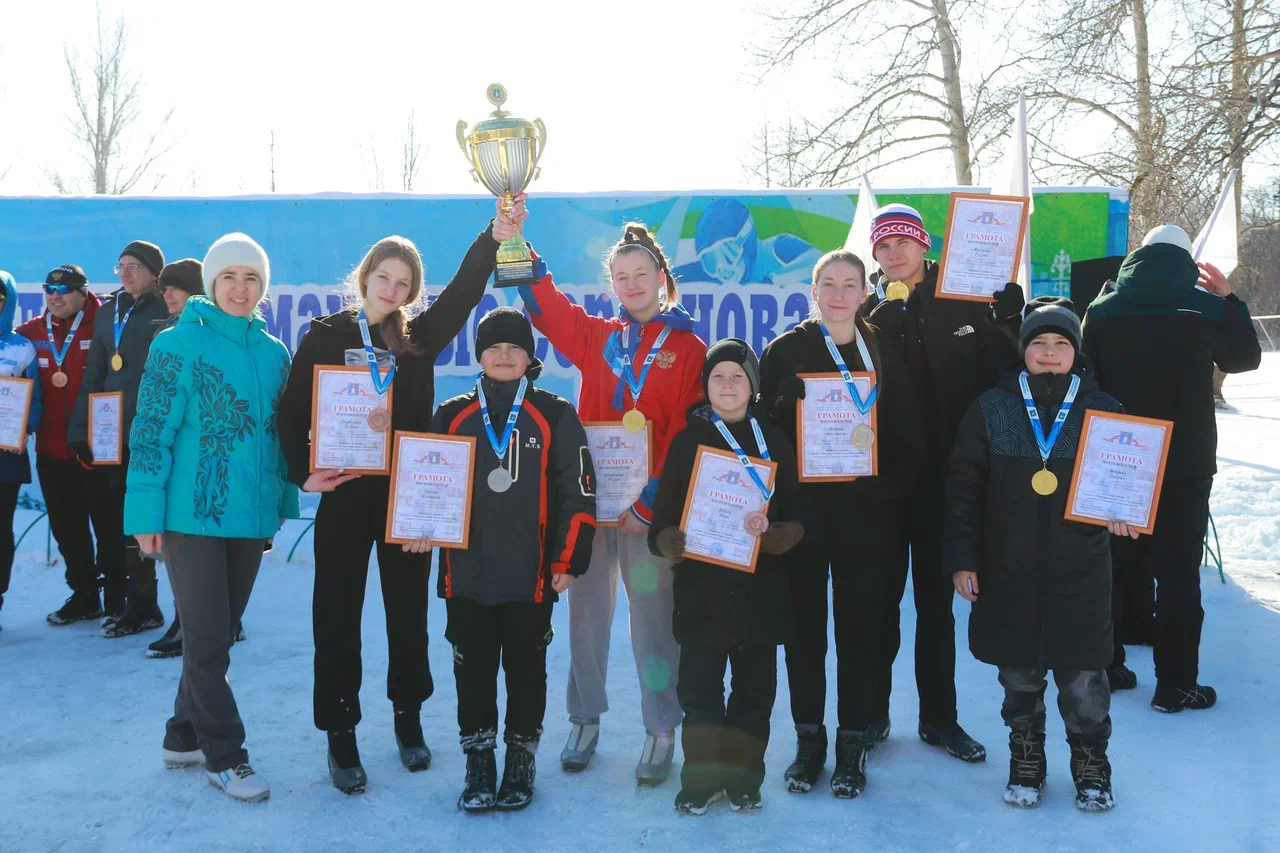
(849, 777)
(79, 607)
(1120, 677)
(1091, 771)
(113, 605)
(517, 778)
(1170, 699)
(954, 740)
(141, 613)
(1027, 769)
(170, 645)
(409, 740)
(345, 770)
(811, 755)
(482, 780)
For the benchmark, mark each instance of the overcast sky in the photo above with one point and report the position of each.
(636, 96)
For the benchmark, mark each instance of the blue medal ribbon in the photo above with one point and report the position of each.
(1046, 442)
(380, 383)
(119, 324)
(637, 384)
(500, 446)
(59, 355)
(765, 492)
(863, 406)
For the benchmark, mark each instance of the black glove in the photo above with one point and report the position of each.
(790, 390)
(1008, 305)
(781, 537)
(82, 452)
(671, 543)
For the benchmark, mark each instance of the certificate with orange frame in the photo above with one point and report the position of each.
(1119, 470)
(983, 245)
(623, 466)
(835, 443)
(106, 433)
(431, 489)
(15, 407)
(349, 421)
(722, 500)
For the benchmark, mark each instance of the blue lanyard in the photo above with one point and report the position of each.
(120, 324)
(1046, 444)
(58, 356)
(380, 383)
(500, 447)
(637, 385)
(863, 406)
(767, 493)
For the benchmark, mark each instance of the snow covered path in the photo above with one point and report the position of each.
(81, 719)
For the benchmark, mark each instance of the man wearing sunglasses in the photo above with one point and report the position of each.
(73, 493)
(122, 331)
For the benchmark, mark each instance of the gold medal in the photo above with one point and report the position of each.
(863, 437)
(1045, 482)
(117, 362)
(896, 291)
(633, 420)
(59, 380)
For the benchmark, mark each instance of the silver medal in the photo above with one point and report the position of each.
(499, 480)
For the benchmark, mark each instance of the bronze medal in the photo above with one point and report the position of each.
(59, 380)
(117, 362)
(1045, 482)
(756, 523)
(633, 420)
(379, 420)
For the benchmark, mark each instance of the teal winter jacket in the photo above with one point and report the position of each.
(205, 458)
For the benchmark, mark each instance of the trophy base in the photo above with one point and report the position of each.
(513, 274)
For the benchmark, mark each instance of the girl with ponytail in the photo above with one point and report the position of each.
(645, 365)
(853, 537)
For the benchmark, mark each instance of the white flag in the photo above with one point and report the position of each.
(1017, 182)
(1218, 243)
(859, 239)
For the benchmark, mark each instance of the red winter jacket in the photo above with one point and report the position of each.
(51, 438)
(593, 344)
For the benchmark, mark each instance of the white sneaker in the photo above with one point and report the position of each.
(175, 760)
(655, 758)
(241, 783)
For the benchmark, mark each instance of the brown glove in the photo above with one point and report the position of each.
(781, 537)
(671, 543)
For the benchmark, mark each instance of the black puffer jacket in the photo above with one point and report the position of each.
(717, 605)
(1044, 582)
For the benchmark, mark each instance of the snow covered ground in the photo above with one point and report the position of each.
(81, 720)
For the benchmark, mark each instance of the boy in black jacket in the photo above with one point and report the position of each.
(724, 615)
(1040, 585)
(533, 516)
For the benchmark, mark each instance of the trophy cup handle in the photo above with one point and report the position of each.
(542, 143)
(461, 131)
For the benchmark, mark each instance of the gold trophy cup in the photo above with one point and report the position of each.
(504, 151)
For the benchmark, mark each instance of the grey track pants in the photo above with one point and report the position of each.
(211, 580)
(592, 599)
(1084, 700)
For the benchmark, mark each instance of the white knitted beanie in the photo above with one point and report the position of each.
(1168, 234)
(235, 250)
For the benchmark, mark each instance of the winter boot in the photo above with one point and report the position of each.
(1171, 700)
(655, 759)
(409, 740)
(176, 760)
(954, 740)
(880, 731)
(345, 771)
(241, 783)
(1027, 769)
(695, 803)
(849, 776)
(517, 777)
(1120, 677)
(79, 607)
(170, 645)
(113, 605)
(745, 801)
(1091, 771)
(811, 755)
(584, 736)
(482, 781)
(141, 613)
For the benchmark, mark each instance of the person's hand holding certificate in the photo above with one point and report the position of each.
(431, 489)
(983, 245)
(723, 509)
(1119, 470)
(106, 437)
(835, 441)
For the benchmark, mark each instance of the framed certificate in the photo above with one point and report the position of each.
(342, 436)
(832, 443)
(431, 489)
(623, 466)
(106, 433)
(721, 496)
(983, 246)
(15, 406)
(1119, 470)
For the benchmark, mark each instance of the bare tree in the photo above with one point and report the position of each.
(376, 180)
(108, 114)
(410, 152)
(272, 156)
(901, 85)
